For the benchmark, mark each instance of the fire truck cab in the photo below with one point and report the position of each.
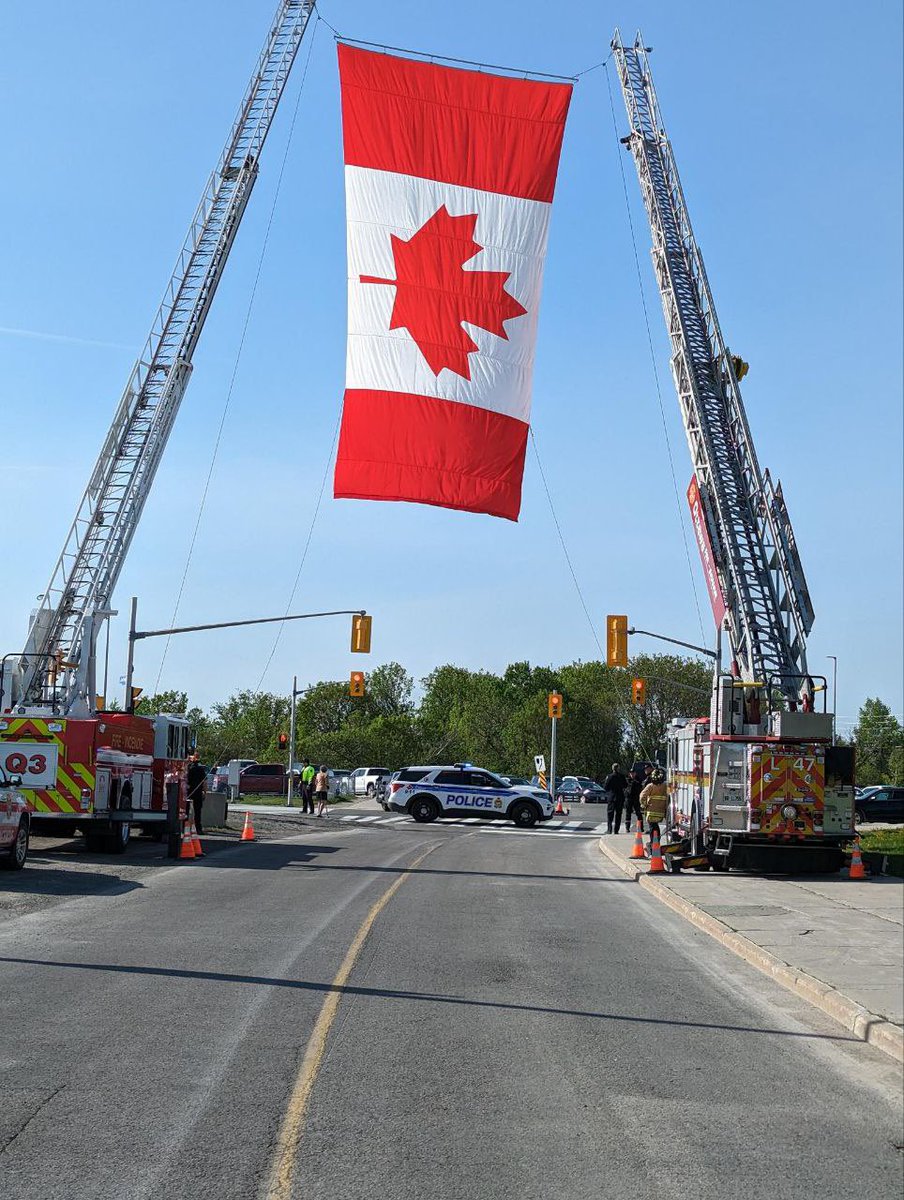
(102, 775)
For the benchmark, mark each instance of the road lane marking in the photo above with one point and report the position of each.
(573, 824)
(367, 820)
(289, 1139)
(350, 817)
(553, 824)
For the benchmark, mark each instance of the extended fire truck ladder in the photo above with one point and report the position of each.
(57, 665)
(769, 611)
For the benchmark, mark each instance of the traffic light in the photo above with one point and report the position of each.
(361, 624)
(638, 691)
(283, 740)
(356, 684)
(616, 641)
(555, 705)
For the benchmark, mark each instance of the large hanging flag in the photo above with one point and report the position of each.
(449, 179)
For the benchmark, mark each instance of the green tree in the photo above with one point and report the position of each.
(675, 687)
(879, 738)
(247, 725)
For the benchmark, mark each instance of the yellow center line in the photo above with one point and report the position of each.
(280, 1183)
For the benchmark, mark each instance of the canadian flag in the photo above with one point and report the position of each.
(449, 179)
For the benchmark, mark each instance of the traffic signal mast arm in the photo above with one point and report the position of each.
(86, 573)
(769, 613)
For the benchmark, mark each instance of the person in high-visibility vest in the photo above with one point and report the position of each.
(654, 800)
(307, 788)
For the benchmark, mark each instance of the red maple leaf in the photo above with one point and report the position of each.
(434, 294)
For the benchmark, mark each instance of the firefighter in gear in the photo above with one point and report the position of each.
(654, 800)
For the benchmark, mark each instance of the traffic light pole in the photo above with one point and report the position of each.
(675, 642)
(552, 758)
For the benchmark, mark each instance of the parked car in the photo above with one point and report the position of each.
(262, 779)
(516, 780)
(590, 792)
(881, 804)
(363, 781)
(14, 824)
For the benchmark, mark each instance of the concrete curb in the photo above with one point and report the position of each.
(868, 1026)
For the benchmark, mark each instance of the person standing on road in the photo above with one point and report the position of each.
(654, 800)
(307, 788)
(614, 786)
(632, 800)
(196, 780)
(322, 791)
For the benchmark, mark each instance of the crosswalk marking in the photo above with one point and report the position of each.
(554, 828)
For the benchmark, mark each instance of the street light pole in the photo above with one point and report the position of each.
(834, 658)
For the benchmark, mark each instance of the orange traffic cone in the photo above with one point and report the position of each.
(657, 866)
(248, 829)
(857, 871)
(196, 844)
(187, 849)
(560, 809)
(637, 850)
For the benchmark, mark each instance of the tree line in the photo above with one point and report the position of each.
(498, 721)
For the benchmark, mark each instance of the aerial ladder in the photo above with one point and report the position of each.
(56, 669)
(760, 774)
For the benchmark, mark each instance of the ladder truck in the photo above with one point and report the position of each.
(78, 767)
(758, 784)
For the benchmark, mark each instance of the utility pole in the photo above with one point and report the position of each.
(292, 741)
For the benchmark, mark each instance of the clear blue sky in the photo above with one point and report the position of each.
(786, 123)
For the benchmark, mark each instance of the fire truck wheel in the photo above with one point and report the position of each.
(15, 856)
(118, 837)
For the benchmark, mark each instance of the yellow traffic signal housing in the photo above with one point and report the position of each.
(555, 705)
(638, 691)
(616, 641)
(356, 684)
(361, 624)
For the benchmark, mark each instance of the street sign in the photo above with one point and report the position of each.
(540, 763)
(616, 641)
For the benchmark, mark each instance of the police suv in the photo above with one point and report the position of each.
(426, 793)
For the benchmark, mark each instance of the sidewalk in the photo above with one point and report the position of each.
(281, 809)
(838, 943)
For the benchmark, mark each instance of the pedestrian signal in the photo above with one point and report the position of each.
(616, 641)
(283, 740)
(361, 624)
(356, 684)
(555, 705)
(638, 691)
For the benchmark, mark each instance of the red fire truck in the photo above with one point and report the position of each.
(101, 775)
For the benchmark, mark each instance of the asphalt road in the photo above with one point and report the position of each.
(515, 1021)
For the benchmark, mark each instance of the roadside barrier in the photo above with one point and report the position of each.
(637, 850)
(187, 850)
(857, 871)
(248, 829)
(657, 866)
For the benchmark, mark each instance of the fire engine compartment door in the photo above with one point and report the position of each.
(102, 789)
